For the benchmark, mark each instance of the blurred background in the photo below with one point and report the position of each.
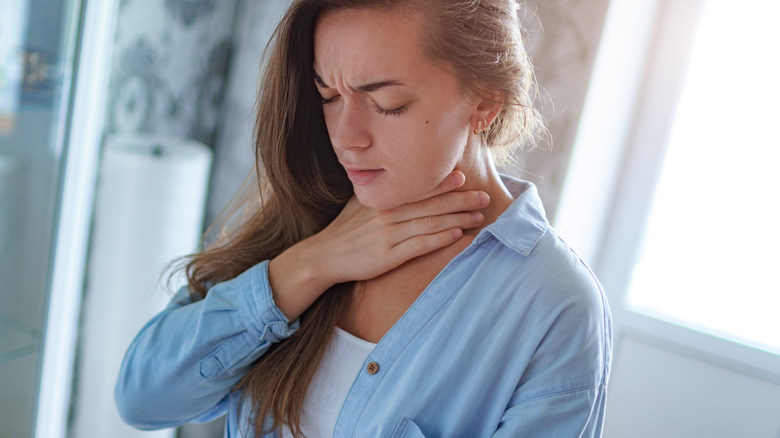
(125, 128)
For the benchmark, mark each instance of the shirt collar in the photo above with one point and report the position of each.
(524, 222)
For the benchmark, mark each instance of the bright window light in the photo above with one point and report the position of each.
(710, 259)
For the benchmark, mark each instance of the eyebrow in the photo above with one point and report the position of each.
(367, 87)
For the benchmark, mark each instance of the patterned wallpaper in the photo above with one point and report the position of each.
(169, 66)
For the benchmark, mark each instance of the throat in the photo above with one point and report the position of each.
(377, 304)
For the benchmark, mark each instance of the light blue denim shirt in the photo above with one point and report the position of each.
(511, 339)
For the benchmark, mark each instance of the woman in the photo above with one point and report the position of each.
(392, 283)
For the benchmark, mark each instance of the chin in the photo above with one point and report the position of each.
(378, 201)
(377, 204)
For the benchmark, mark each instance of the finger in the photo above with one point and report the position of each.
(442, 204)
(427, 243)
(435, 224)
(450, 183)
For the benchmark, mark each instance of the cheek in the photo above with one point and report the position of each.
(445, 141)
(419, 154)
(429, 150)
(430, 146)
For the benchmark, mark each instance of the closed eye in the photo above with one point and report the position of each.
(328, 100)
(379, 110)
(391, 112)
(385, 112)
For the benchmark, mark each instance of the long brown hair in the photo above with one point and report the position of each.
(301, 187)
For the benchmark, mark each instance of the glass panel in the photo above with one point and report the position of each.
(711, 247)
(35, 68)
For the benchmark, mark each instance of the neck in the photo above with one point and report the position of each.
(481, 174)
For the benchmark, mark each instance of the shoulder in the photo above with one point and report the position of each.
(553, 302)
(537, 258)
(561, 273)
(530, 261)
(575, 316)
(558, 283)
(540, 286)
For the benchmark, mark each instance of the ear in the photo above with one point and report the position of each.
(488, 107)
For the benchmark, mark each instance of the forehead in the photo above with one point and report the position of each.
(357, 45)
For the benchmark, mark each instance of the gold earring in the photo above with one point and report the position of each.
(479, 128)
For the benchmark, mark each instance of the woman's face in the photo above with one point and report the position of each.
(398, 123)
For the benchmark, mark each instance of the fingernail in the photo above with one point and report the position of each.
(477, 217)
(458, 178)
(484, 199)
(456, 233)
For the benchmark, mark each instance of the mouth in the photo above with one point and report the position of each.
(362, 177)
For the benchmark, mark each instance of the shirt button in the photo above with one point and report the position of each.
(372, 368)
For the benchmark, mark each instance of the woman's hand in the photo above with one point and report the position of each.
(363, 243)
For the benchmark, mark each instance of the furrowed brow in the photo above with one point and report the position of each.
(365, 88)
(377, 85)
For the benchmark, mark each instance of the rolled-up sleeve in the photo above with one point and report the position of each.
(185, 361)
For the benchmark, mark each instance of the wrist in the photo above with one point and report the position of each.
(315, 274)
(296, 280)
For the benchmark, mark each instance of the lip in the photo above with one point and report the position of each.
(362, 177)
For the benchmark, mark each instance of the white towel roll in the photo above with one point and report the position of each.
(149, 210)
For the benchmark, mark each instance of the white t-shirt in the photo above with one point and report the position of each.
(340, 365)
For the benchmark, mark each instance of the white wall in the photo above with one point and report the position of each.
(658, 393)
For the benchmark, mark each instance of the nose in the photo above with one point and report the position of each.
(348, 125)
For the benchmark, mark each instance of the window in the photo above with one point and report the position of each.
(673, 191)
(711, 249)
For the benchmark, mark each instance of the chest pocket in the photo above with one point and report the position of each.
(407, 429)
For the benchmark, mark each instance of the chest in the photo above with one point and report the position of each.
(378, 303)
